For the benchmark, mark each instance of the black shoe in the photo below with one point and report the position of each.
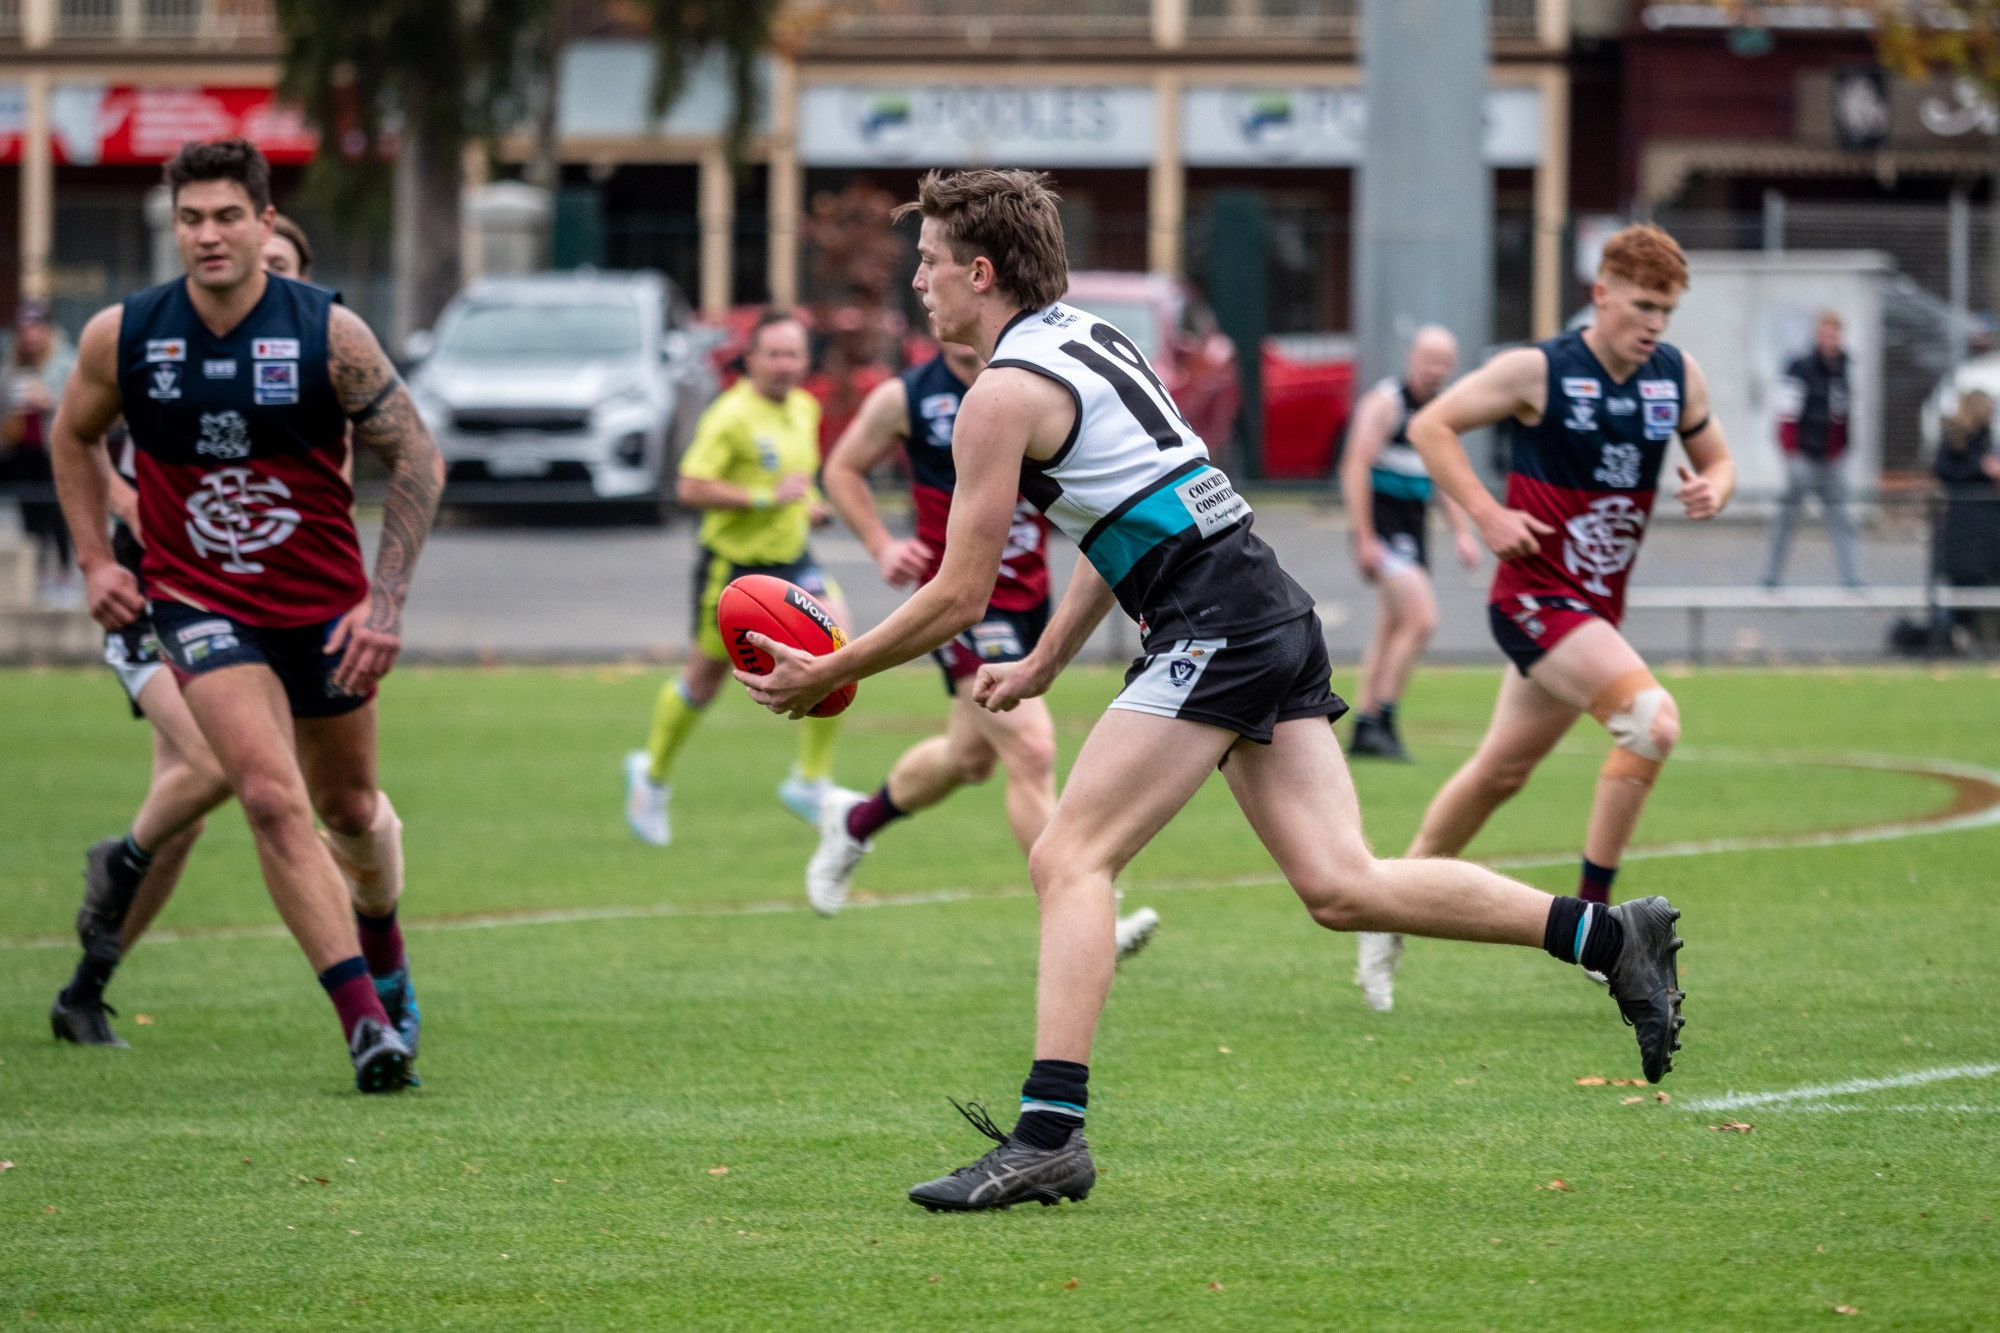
(1012, 1173)
(381, 1061)
(1646, 983)
(1376, 739)
(85, 1024)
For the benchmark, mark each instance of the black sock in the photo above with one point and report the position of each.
(1052, 1103)
(1387, 713)
(1581, 932)
(125, 867)
(1595, 886)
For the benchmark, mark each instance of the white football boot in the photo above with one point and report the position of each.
(831, 869)
(1376, 956)
(646, 801)
(804, 796)
(1135, 930)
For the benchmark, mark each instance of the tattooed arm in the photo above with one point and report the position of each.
(385, 422)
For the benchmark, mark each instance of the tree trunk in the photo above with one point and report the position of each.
(430, 184)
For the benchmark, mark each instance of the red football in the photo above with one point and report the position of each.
(784, 612)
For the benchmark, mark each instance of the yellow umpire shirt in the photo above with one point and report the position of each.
(747, 440)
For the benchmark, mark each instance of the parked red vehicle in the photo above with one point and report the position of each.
(1308, 397)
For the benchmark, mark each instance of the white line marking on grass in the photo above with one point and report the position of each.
(1920, 1108)
(1737, 1101)
(1986, 815)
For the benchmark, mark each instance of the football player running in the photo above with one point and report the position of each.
(1069, 413)
(914, 411)
(186, 781)
(238, 388)
(1593, 411)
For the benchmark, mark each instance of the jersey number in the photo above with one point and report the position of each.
(1130, 392)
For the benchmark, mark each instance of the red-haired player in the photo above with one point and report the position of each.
(1594, 411)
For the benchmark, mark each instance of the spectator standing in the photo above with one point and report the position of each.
(1967, 546)
(1812, 430)
(37, 369)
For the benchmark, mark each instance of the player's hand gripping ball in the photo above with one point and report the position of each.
(787, 613)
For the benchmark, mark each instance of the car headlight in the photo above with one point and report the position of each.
(624, 400)
(630, 450)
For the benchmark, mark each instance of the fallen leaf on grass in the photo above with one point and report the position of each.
(1661, 1098)
(1630, 1101)
(1628, 1082)
(321, 1180)
(50, 1209)
(1593, 1081)
(1847, 1309)
(143, 1020)
(1557, 1184)
(935, 1277)
(1070, 1285)
(6, 1166)
(1223, 1049)
(718, 1170)
(1215, 1286)
(1733, 1127)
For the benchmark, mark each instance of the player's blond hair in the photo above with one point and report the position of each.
(1644, 254)
(1008, 216)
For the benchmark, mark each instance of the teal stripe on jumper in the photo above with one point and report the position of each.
(1141, 528)
(1054, 1108)
(1399, 485)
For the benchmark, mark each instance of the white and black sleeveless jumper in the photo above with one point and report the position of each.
(1133, 487)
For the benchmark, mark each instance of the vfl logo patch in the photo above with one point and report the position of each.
(1581, 387)
(166, 382)
(224, 369)
(166, 349)
(277, 383)
(274, 349)
(800, 602)
(1582, 418)
(939, 411)
(1181, 672)
(1661, 418)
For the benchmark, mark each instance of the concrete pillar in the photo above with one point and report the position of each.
(1424, 239)
(785, 196)
(1551, 205)
(716, 209)
(38, 186)
(1166, 182)
(1170, 24)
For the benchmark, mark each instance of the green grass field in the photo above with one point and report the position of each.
(1273, 1154)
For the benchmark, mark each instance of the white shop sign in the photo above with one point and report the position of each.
(1326, 126)
(1033, 125)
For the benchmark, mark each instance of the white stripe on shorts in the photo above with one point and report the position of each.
(1170, 677)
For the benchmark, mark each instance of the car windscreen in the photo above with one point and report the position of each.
(1134, 319)
(495, 330)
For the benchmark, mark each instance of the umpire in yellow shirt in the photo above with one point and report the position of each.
(750, 471)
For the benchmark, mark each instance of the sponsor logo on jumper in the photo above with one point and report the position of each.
(203, 629)
(1621, 407)
(1181, 671)
(1601, 542)
(995, 639)
(166, 382)
(1211, 501)
(277, 383)
(221, 369)
(767, 452)
(1058, 319)
(1659, 389)
(224, 435)
(166, 349)
(1661, 418)
(274, 349)
(1618, 466)
(235, 513)
(1581, 387)
(801, 602)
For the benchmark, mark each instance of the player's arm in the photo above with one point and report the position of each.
(386, 423)
(880, 425)
(90, 406)
(1512, 384)
(1088, 599)
(1462, 535)
(1000, 416)
(1706, 489)
(1366, 436)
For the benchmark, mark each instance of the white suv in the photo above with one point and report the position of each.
(561, 386)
